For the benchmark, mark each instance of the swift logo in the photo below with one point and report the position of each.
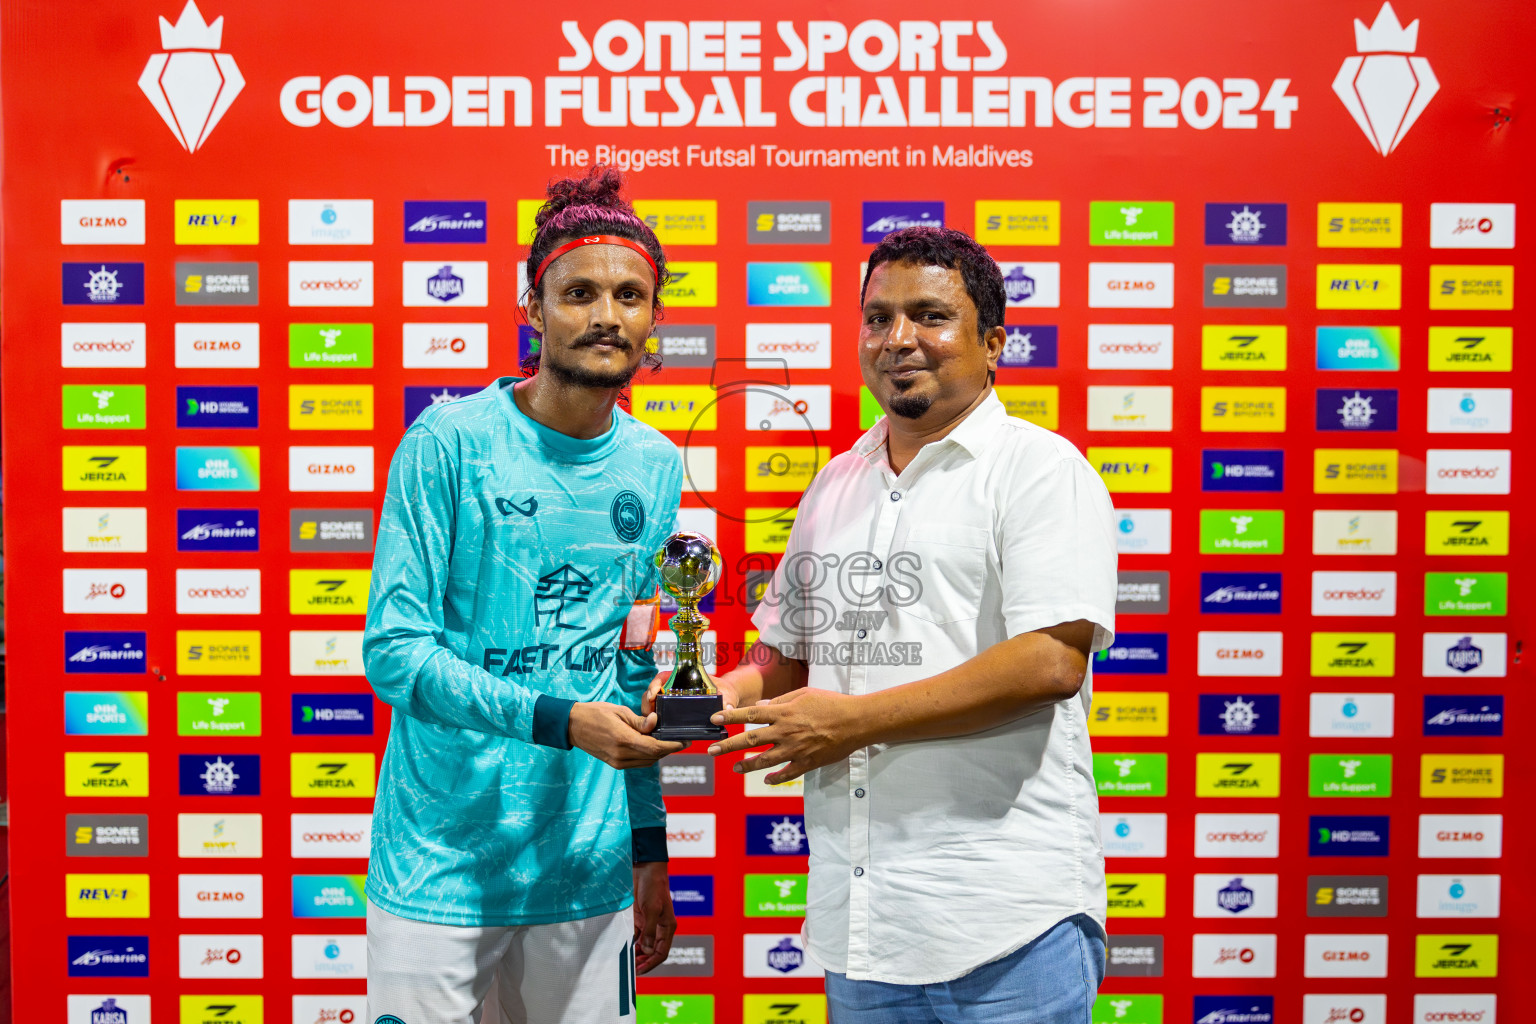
(1384, 89)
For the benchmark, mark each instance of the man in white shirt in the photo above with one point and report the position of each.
(924, 662)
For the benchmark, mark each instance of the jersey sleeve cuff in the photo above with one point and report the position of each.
(650, 844)
(552, 722)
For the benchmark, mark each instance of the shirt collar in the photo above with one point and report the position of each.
(972, 434)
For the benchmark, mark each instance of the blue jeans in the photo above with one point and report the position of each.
(1052, 980)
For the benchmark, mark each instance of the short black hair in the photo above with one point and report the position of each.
(946, 247)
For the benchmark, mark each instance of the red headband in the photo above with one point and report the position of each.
(595, 240)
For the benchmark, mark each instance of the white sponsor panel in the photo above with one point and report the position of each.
(219, 896)
(101, 221)
(690, 835)
(330, 283)
(220, 956)
(1471, 225)
(1144, 531)
(754, 783)
(1027, 284)
(218, 346)
(1228, 895)
(1465, 655)
(1353, 532)
(697, 520)
(699, 468)
(110, 528)
(780, 955)
(1237, 835)
(330, 222)
(1459, 895)
(1467, 471)
(445, 346)
(1129, 408)
(218, 835)
(330, 1010)
(442, 285)
(82, 1009)
(1343, 1009)
(1130, 285)
(1134, 835)
(330, 956)
(106, 591)
(325, 652)
(1470, 410)
(799, 346)
(1238, 654)
(803, 407)
(330, 835)
(1354, 593)
(1233, 956)
(218, 591)
(1479, 1008)
(102, 345)
(348, 468)
(1345, 956)
(1478, 836)
(1130, 346)
(1362, 715)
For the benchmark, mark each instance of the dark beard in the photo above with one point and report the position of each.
(910, 407)
(579, 376)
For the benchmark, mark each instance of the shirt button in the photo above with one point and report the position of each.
(863, 633)
(859, 793)
(878, 564)
(858, 872)
(895, 495)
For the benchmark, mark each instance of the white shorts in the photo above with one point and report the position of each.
(571, 972)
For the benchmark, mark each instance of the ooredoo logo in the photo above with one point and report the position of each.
(331, 835)
(218, 591)
(1130, 346)
(330, 283)
(1237, 835)
(690, 835)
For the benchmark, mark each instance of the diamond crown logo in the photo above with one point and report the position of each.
(1383, 88)
(191, 86)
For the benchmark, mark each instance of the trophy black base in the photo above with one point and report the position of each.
(685, 719)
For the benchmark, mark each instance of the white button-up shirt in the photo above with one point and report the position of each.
(931, 858)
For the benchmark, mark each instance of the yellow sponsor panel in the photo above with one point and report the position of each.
(788, 468)
(328, 591)
(1134, 470)
(1242, 347)
(105, 468)
(1038, 403)
(223, 1009)
(1456, 956)
(218, 221)
(693, 283)
(1354, 654)
(330, 407)
(1237, 774)
(114, 773)
(1129, 714)
(1136, 895)
(767, 529)
(1359, 286)
(1472, 348)
(785, 1008)
(1471, 287)
(674, 406)
(1354, 471)
(1359, 225)
(1461, 775)
(527, 227)
(344, 774)
(1018, 222)
(1242, 410)
(218, 652)
(1466, 533)
(106, 895)
(681, 221)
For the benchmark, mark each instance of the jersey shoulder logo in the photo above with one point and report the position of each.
(506, 506)
(628, 515)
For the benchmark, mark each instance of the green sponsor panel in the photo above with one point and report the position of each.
(1131, 774)
(1132, 222)
(775, 895)
(218, 714)
(674, 1009)
(1350, 775)
(1466, 593)
(333, 346)
(1242, 531)
(869, 409)
(1126, 1009)
(103, 407)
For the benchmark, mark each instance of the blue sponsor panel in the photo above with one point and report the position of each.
(1349, 835)
(217, 408)
(1245, 223)
(1357, 409)
(1027, 346)
(103, 284)
(1239, 714)
(882, 218)
(109, 956)
(333, 714)
(419, 398)
(1463, 716)
(218, 529)
(1246, 470)
(219, 774)
(1243, 1009)
(776, 835)
(692, 895)
(1240, 593)
(1134, 654)
(119, 652)
(445, 221)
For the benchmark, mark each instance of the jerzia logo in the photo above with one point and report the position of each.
(192, 86)
(1384, 89)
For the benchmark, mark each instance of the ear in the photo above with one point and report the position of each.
(535, 310)
(993, 340)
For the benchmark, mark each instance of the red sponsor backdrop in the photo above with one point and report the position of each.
(77, 126)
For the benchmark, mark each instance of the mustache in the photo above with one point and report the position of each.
(602, 337)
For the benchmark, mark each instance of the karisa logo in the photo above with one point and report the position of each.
(192, 85)
(1384, 89)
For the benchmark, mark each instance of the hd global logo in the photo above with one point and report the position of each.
(1383, 88)
(192, 85)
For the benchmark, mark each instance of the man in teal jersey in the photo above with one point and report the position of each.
(509, 627)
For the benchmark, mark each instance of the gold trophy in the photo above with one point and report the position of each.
(689, 565)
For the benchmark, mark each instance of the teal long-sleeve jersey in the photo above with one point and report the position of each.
(509, 556)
